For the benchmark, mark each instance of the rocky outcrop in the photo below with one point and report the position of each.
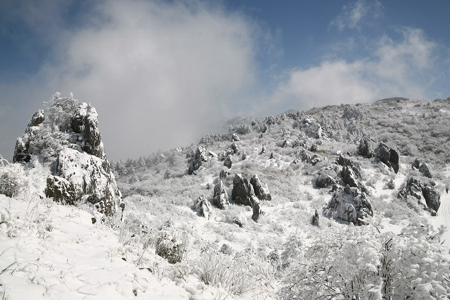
(256, 210)
(422, 167)
(25, 144)
(324, 181)
(228, 162)
(308, 157)
(203, 207)
(388, 156)
(349, 177)
(197, 160)
(432, 197)
(242, 192)
(423, 192)
(70, 144)
(261, 190)
(350, 205)
(365, 149)
(220, 197)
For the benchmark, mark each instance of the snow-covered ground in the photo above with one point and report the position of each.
(51, 251)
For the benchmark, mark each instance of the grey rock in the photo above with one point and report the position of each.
(324, 181)
(349, 177)
(388, 156)
(220, 197)
(432, 198)
(197, 160)
(350, 205)
(365, 149)
(256, 209)
(204, 208)
(261, 190)
(228, 162)
(223, 174)
(242, 191)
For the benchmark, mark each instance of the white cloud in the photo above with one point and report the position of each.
(158, 73)
(354, 14)
(401, 68)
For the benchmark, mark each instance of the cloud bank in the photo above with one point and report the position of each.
(393, 68)
(159, 73)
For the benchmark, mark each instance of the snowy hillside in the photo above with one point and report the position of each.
(358, 200)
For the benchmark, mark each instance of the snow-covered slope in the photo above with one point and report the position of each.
(165, 249)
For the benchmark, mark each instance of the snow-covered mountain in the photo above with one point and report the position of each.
(339, 202)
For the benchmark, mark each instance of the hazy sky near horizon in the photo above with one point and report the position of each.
(163, 73)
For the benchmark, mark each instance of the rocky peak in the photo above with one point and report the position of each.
(70, 145)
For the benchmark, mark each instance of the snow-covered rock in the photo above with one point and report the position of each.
(388, 156)
(220, 197)
(197, 160)
(70, 144)
(261, 190)
(242, 190)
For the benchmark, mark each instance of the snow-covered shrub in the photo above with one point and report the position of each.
(61, 110)
(336, 266)
(238, 274)
(12, 180)
(240, 129)
(171, 246)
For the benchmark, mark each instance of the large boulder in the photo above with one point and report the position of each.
(70, 144)
(242, 191)
(350, 205)
(388, 156)
(197, 160)
(220, 197)
(261, 190)
(432, 197)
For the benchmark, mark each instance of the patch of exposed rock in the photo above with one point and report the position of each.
(197, 160)
(220, 197)
(242, 192)
(365, 149)
(388, 156)
(324, 181)
(422, 167)
(261, 190)
(422, 191)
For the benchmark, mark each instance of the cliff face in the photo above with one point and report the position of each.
(68, 140)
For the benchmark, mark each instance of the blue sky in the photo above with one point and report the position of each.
(162, 73)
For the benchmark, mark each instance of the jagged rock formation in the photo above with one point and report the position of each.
(428, 191)
(70, 144)
(203, 207)
(388, 156)
(197, 160)
(365, 149)
(242, 192)
(220, 197)
(261, 190)
(349, 205)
